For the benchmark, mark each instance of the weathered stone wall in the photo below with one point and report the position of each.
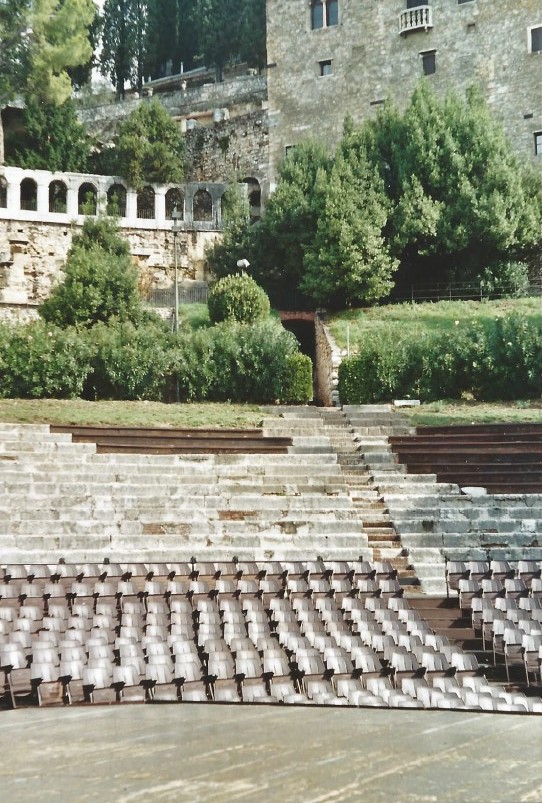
(478, 42)
(234, 148)
(225, 126)
(34, 254)
(326, 368)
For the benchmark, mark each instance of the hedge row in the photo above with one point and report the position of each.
(228, 362)
(500, 359)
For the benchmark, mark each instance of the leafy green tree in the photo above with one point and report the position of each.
(100, 280)
(40, 40)
(224, 254)
(219, 26)
(149, 147)
(52, 139)
(460, 199)
(253, 33)
(122, 57)
(349, 260)
(60, 39)
(171, 36)
(289, 225)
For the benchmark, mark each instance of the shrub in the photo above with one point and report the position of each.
(130, 362)
(100, 280)
(501, 359)
(237, 298)
(297, 381)
(40, 361)
(234, 362)
(507, 279)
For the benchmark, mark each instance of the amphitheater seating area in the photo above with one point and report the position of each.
(303, 632)
(505, 602)
(501, 458)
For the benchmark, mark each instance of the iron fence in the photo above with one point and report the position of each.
(193, 293)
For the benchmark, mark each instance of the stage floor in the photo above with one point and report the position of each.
(215, 754)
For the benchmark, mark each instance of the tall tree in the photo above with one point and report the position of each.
(252, 31)
(39, 41)
(348, 260)
(124, 25)
(149, 147)
(460, 199)
(52, 138)
(219, 24)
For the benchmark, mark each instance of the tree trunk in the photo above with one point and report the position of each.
(2, 154)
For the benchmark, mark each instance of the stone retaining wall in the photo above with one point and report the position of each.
(326, 369)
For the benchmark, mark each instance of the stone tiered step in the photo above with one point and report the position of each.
(349, 447)
(444, 616)
(63, 497)
(501, 458)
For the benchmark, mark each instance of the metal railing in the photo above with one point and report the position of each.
(192, 293)
(468, 291)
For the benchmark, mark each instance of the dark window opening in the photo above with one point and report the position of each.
(145, 203)
(429, 63)
(536, 40)
(58, 194)
(538, 143)
(29, 195)
(326, 67)
(116, 200)
(87, 199)
(175, 202)
(203, 206)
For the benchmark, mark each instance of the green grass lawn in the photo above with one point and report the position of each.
(237, 416)
(438, 316)
(468, 412)
(129, 413)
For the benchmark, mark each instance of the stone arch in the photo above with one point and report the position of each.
(3, 192)
(58, 197)
(116, 200)
(202, 206)
(254, 195)
(145, 203)
(174, 200)
(29, 195)
(87, 199)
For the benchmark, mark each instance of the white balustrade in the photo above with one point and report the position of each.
(415, 19)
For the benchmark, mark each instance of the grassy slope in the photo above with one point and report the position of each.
(440, 316)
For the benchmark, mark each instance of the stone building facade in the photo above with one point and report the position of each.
(332, 58)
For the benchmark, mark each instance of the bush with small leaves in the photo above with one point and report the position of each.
(40, 360)
(297, 380)
(130, 362)
(237, 298)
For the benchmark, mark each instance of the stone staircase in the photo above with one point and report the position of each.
(62, 498)
(351, 450)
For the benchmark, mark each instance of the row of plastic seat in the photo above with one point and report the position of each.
(165, 588)
(502, 570)
(194, 569)
(225, 649)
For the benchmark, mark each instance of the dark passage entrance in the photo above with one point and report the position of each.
(301, 324)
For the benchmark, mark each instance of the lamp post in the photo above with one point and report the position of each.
(176, 216)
